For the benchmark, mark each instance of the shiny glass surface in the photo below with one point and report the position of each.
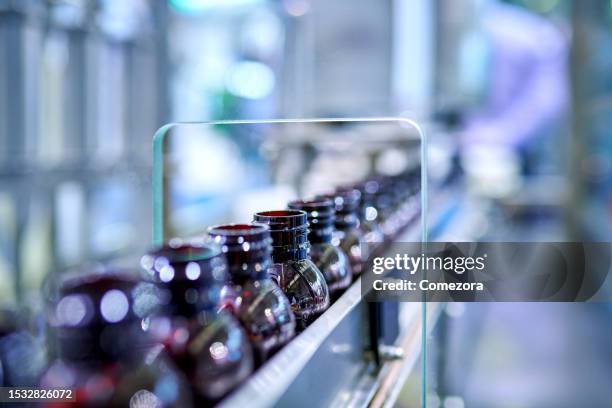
(155, 382)
(347, 235)
(333, 264)
(211, 349)
(209, 346)
(212, 181)
(259, 304)
(298, 277)
(305, 287)
(327, 257)
(202, 178)
(266, 314)
(105, 351)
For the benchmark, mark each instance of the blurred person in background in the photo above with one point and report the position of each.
(526, 97)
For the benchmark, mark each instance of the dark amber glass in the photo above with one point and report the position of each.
(105, 352)
(370, 231)
(98, 317)
(377, 196)
(210, 347)
(154, 382)
(295, 273)
(260, 305)
(395, 199)
(330, 259)
(348, 236)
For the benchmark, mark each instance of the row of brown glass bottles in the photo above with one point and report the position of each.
(331, 260)
(267, 311)
(347, 234)
(276, 273)
(387, 205)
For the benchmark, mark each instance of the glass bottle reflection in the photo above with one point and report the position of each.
(369, 228)
(348, 236)
(330, 259)
(396, 200)
(381, 192)
(260, 305)
(208, 345)
(296, 274)
(105, 352)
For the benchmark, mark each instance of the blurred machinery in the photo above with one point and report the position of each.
(90, 81)
(591, 146)
(84, 84)
(82, 91)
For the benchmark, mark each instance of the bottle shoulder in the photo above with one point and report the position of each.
(254, 297)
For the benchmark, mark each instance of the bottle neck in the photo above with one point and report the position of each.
(321, 233)
(193, 274)
(289, 232)
(290, 245)
(320, 216)
(346, 208)
(245, 266)
(248, 249)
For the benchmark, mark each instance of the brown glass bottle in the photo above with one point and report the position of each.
(295, 273)
(330, 259)
(348, 235)
(208, 345)
(396, 199)
(105, 351)
(260, 304)
(371, 233)
(374, 192)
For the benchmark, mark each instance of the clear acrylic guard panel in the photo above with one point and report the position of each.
(223, 172)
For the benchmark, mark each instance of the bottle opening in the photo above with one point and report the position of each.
(241, 237)
(279, 213)
(236, 229)
(283, 219)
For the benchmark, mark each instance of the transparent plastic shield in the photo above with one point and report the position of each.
(223, 172)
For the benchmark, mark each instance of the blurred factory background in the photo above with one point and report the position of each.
(517, 93)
